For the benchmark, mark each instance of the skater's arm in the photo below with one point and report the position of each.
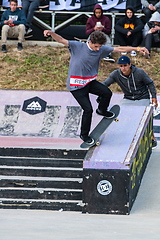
(56, 37)
(110, 80)
(129, 49)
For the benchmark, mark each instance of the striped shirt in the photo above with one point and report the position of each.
(84, 64)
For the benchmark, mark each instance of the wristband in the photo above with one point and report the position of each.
(138, 48)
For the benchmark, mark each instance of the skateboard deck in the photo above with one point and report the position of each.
(101, 127)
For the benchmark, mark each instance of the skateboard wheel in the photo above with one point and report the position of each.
(97, 143)
(116, 119)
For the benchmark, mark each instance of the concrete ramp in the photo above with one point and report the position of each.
(58, 126)
(41, 119)
(39, 148)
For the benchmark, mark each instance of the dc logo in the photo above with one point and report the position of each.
(104, 187)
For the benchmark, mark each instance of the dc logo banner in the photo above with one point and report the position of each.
(64, 5)
(104, 187)
(58, 5)
(34, 105)
(107, 4)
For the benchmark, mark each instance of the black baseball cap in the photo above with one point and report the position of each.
(124, 60)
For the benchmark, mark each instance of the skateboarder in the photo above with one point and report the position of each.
(82, 75)
(134, 83)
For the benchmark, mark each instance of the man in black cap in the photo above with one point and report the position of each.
(134, 83)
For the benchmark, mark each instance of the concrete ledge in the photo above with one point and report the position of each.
(112, 172)
(50, 43)
(34, 43)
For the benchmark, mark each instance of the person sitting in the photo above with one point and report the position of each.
(151, 33)
(135, 84)
(29, 6)
(99, 22)
(13, 25)
(149, 7)
(128, 30)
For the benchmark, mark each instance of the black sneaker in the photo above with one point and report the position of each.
(154, 144)
(87, 139)
(107, 114)
(19, 46)
(109, 59)
(4, 49)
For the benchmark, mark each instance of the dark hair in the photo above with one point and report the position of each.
(130, 8)
(14, 1)
(98, 37)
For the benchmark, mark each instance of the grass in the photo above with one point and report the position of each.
(46, 68)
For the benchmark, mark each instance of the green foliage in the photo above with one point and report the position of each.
(46, 68)
(8, 59)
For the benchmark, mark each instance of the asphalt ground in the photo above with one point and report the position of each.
(142, 223)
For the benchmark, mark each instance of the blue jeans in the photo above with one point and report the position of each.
(29, 7)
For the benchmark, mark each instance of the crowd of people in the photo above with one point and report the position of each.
(129, 30)
(85, 57)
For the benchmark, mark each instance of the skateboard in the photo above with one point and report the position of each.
(101, 127)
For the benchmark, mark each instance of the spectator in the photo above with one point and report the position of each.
(152, 33)
(134, 83)
(149, 7)
(29, 6)
(128, 30)
(101, 23)
(13, 25)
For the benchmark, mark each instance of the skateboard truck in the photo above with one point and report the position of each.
(101, 127)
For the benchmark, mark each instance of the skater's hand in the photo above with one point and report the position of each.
(142, 50)
(154, 101)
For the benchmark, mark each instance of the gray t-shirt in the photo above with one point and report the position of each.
(84, 64)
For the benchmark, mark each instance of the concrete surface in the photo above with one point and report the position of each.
(34, 42)
(142, 223)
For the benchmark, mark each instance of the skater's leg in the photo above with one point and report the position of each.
(105, 94)
(82, 97)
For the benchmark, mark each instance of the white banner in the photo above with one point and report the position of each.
(76, 4)
(71, 5)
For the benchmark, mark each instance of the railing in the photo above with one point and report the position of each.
(77, 15)
(71, 19)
